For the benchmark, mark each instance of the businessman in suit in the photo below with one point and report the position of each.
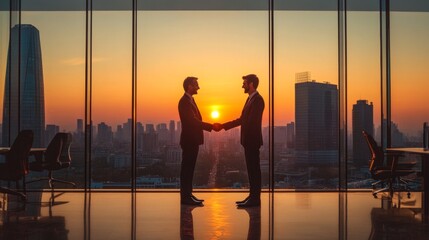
(251, 137)
(191, 138)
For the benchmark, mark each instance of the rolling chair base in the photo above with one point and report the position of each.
(51, 182)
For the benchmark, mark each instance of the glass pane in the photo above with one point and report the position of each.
(217, 47)
(306, 99)
(363, 95)
(410, 58)
(111, 98)
(11, 111)
(52, 73)
(4, 46)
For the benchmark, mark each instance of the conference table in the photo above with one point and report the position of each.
(425, 173)
(36, 152)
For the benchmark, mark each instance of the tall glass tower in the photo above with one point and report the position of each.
(24, 105)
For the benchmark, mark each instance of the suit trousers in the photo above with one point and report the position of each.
(189, 158)
(253, 170)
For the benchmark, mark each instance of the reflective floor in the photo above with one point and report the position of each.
(287, 215)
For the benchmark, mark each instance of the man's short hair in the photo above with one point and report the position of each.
(252, 78)
(188, 81)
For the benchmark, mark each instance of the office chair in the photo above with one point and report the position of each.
(56, 157)
(384, 174)
(15, 166)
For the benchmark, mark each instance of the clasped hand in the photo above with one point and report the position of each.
(217, 127)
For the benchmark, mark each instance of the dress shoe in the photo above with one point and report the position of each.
(196, 199)
(243, 201)
(190, 201)
(251, 202)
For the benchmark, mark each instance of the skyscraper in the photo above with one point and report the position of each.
(104, 134)
(150, 128)
(24, 106)
(316, 122)
(163, 134)
(79, 126)
(172, 130)
(290, 135)
(362, 119)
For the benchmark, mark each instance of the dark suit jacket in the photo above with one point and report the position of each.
(192, 124)
(251, 122)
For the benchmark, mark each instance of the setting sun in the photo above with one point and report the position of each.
(215, 114)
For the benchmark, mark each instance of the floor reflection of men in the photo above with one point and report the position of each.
(186, 222)
(254, 232)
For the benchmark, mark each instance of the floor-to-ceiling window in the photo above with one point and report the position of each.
(50, 58)
(306, 96)
(218, 45)
(111, 90)
(363, 87)
(4, 45)
(306, 120)
(409, 76)
(409, 68)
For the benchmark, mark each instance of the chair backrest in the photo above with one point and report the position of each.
(377, 156)
(65, 150)
(53, 151)
(17, 157)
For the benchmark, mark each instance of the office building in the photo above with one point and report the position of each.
(24, 103)
(316, 122)
(172, 129)
(362, 120)
(79, 126)
(290, 135)
(104, 134)
(163, 134)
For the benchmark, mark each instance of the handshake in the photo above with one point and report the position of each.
(217, 127)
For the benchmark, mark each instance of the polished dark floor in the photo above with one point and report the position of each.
(148, 215)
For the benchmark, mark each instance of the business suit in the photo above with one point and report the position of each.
(251, 139)
(190, 138)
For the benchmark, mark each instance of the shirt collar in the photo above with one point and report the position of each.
(253, 94)
(189, 95)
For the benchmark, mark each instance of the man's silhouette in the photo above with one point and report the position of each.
(190, 139)
(251, 137)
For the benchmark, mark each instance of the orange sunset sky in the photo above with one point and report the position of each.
(219, 47)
